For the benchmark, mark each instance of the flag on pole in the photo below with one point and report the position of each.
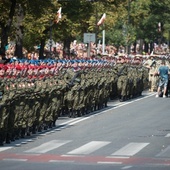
(159, 27)
(58, 17)
(102, 19)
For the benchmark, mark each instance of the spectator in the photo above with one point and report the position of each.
(163, 72)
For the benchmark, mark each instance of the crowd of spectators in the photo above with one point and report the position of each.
(79, 51)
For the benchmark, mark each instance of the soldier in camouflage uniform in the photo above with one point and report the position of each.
(4, 106)
(82, 92)
(122, 82)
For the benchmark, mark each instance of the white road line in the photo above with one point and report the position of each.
(126, 167)
(118, 157)
(168, 135)
(21, 154)
(72, 156)
(60, 161)
(48, 146)
(130, 149)
(58, 129)
(65, 123)
(89, 148)
(4, 148)
(132, 101)
(79, 120)
(12, 159)
(110, 163)
(164, 153)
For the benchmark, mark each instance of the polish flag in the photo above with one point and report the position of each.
(101, 21)
(58, 15)
(159, 27)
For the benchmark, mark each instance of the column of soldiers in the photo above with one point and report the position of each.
(34, 93)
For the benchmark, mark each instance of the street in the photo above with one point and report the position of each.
(133, 135)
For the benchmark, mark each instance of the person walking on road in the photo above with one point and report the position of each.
(163, 72)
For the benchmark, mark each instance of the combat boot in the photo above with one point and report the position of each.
(79, 113)
(1, 139)
(23, 132)
(39, 128)
(122, 99)
(1, 143)
(8, 139)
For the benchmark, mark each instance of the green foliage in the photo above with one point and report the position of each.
(126, 20)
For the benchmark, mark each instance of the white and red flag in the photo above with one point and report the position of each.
(102, 19)
(58, 16)
(159, 27)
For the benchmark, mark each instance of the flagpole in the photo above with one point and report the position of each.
(50, 38)
(101, 21)
(103, 44)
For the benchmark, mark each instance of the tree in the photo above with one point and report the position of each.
(7, 11)
(145, 16)
(31, 23)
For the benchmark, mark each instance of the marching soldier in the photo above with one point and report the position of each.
(122, 80)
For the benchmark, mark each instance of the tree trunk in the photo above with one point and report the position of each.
(19, 32)
(41, 52)
(66, 49)
(151, 47)
(5, 27)
(141, 46)
(134, 47)
(4, 38)
(146, 47)
(45, 32)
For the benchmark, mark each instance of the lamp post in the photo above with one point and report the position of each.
(128, 24)
(159, 34)
(50, 38)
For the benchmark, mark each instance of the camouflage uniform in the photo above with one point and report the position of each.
(4, 111)
(122, 83)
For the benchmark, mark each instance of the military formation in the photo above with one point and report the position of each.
(34, 93)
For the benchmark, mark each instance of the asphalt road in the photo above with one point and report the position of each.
(132, 135)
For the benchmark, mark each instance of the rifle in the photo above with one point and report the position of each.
(153, 62)
(71, 83)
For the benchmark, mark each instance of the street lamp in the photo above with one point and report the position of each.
(128, 24)
(50, 42)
